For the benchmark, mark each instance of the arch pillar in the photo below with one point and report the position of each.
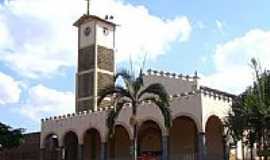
(201, 146)
(41, 154)
(165, 147)
(80, 151)
(80, 147)
(61, 153)
(104, 151)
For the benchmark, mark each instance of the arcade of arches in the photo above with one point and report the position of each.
(183, 142)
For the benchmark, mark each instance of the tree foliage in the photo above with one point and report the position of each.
(249, 119)
(10, 137)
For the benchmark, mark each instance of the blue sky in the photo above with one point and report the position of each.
(38, 47)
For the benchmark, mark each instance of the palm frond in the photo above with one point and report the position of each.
(110, 90)
(158, 90)
(113, 115)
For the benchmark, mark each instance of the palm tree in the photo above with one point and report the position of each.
(133, 92)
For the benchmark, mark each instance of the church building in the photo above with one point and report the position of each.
(198, 112)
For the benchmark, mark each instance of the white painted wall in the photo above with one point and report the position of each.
(85, 41)
(105, 40)
(173, 85)
(97, 35)
(212, 106)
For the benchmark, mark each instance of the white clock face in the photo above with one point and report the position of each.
(106, 31)
(87, 31)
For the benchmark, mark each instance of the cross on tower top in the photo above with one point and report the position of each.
(88, 7)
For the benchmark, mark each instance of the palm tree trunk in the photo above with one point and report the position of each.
(135, 143)
(135, 132)
(251, 152)
(243, 150)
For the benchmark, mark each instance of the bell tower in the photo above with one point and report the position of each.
(96, 43)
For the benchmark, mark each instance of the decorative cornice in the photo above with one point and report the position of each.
(217, 94)
(151, 72)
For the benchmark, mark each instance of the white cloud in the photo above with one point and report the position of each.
(232, 59)
(220, 26)
(9, 90)
(5, 41)
(43, 102)
(44, 41)
(140, 32)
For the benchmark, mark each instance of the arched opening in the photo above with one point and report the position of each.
(92, 145)
(51, 147)
(71, 146)
(214, 139)
(149, 140)
(119, 145)
(183, 139)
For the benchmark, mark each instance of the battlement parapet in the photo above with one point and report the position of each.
(151, 72)
(73, 115)
(217, 94)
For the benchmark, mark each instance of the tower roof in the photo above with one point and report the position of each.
(86, 18)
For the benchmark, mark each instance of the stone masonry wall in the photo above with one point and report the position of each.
(86, 58)
(86, 84)
(85, 105)
(105, 59)
(104, 80)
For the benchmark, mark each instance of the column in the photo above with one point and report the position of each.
(60, 153)
(202, 146)
(103, 151)
(80, 151)
(165, 147)
(42, 154)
